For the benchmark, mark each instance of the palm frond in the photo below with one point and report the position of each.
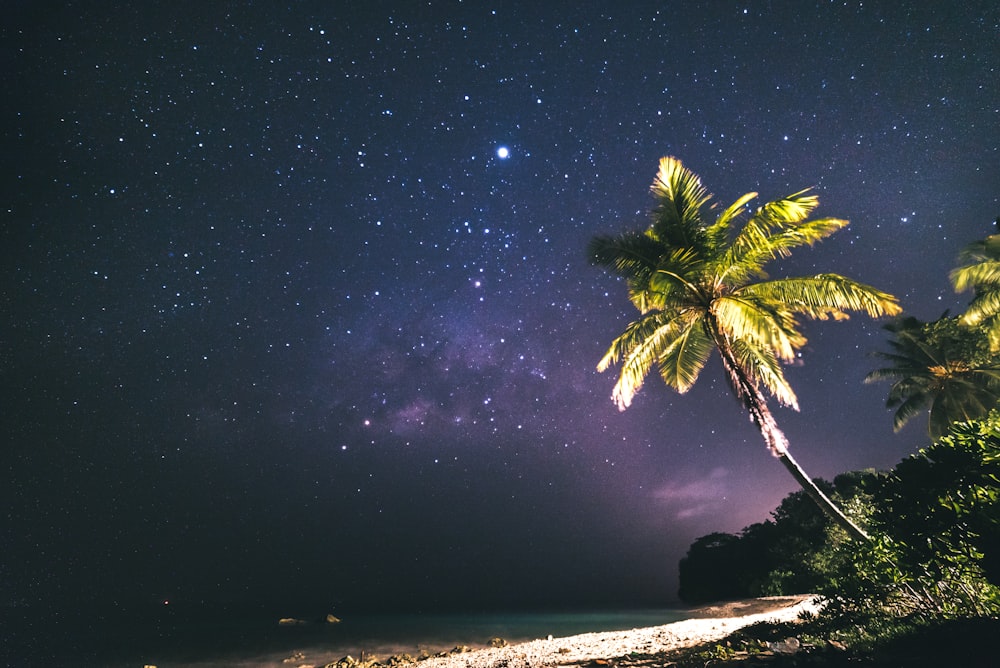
(681, 363)
(749, 319)
(762, 367)
(993, 332)
(986, 305)
(913, 406)
(630, 254)
(674, 282)
(957, 406)
(718, 232)
(635, 333)
(644, 299)
(745, 260)
(803, 234)
(922, 385)
(824, 296)
(981, 250)
(971, 401)
(774, 230)
(989, 377)
(887, 373)
(981, 274)
(680, 197)
(634, 256)
(789, 210)
(976, 276)
(904, 366)
(640, 348)
(776, 215)
(678, 273)
(922, 353)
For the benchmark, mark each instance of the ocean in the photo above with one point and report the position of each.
(232, 643)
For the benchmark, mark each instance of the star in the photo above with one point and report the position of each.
(283, 245)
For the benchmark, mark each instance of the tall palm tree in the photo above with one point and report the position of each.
(700, 286)
(981, 273)
(941, 367)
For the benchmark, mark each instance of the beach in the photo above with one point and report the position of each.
(541, 640)
(710, 623)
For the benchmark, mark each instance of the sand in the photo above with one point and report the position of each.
(713, 623)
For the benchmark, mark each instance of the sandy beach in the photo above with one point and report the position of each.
(711, 623)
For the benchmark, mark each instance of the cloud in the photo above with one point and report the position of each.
(697, 497)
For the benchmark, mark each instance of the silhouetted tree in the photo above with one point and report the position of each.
(714, 569)
(793, 552)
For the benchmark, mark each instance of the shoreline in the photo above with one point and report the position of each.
(649, 637)
(709, 623)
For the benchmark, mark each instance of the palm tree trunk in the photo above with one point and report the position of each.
(778, 444)
(822, 500)
(756, 405)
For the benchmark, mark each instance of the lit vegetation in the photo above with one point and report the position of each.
(942, 367)
(924, 590)
(700, 286)
(980, 272)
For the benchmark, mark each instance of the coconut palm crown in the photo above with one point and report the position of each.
(700, 285)
(941, 368)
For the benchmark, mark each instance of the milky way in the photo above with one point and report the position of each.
(285, 327)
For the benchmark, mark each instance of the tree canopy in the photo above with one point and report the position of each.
(701, 285)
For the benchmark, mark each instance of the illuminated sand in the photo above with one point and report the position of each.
(717, 622)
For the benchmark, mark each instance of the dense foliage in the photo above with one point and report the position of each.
(935, 553)
(937, 515)
(786, 554)
(924, 590)
(942, 367)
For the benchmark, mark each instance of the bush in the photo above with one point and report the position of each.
(787, 554)
(935, 549)
(935, 520)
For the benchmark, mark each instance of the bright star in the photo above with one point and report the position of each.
(503, 153)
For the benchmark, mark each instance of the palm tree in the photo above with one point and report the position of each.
(701, 287)
(941, 367)
(981, 273)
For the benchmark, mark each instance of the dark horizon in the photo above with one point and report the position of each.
(284, 328)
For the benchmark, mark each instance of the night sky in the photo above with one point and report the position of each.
(284, 328)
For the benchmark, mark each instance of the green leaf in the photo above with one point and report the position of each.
(682, 362)
(762, 367)
(744, 318)
(680, 197)
(700, 287)
(824, 296)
